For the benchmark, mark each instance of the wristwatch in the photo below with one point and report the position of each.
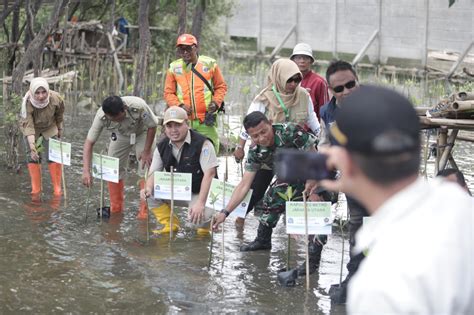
(224, 211)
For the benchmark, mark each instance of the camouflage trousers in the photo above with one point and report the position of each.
(272, 205)
(269, 209)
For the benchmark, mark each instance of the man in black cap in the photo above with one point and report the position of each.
(418, 240)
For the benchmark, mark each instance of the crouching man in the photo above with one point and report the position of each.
(132, 125)
(187, 151)
(268, 138)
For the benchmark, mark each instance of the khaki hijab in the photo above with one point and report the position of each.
(35, 84)
(279, 73)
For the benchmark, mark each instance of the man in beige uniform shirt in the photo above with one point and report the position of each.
(186, 151)
(131, 124)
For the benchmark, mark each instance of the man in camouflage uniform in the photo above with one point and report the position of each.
(267, 138)
(132, 124)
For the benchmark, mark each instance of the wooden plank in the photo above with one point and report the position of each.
(462, 124)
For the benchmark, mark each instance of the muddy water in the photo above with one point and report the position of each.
(52, 261)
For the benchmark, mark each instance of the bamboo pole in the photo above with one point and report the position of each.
(448, 148)
(101, 204)
(63, 179)
(87, 204)
(441, 142)
(212, 242)
(172, 202)
(288, 248)
(425, 154)
(465, 96)
(147, 208)
(463, 105)
(226, 175)
(306, 239)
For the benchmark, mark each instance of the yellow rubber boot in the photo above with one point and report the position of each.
(163, 215)
(35, 175)
(55, 172)
(203, 231)
(143, 212)
(116, 196)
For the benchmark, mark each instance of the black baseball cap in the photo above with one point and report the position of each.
(375, 120)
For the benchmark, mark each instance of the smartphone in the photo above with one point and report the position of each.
(293, 165)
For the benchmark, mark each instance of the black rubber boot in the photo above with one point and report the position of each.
(262, 241)
(315, 249)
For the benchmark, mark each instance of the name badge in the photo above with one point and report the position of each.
(133, 138)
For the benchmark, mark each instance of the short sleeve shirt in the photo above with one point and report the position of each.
(138, 118)
(288, 135)
(207, 159)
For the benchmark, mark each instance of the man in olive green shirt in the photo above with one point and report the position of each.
(132, 124)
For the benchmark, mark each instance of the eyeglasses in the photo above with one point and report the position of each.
(349, 85)
(301, 57)
(295, 78)
(183, 49)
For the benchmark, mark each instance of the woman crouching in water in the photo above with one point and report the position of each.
(42, 114)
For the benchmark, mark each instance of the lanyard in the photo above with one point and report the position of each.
(287, 114)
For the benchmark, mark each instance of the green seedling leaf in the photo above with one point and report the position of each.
(39, 144)
(282, 195)
(290, 193)
(214, 197)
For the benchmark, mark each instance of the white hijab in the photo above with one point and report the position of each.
(35, 84)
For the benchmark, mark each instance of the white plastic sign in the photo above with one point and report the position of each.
(181, 186)
(319, 217)
(105, 167)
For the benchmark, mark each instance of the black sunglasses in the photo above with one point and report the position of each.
(183, 49)
(295, 78)
(349, 85)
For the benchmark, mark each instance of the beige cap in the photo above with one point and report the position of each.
(176, 114)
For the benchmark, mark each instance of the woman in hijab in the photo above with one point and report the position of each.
(282, 100)
(42, 114)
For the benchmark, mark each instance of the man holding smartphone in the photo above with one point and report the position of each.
(268, 139)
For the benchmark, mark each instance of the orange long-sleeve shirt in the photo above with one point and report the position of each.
(183, 86)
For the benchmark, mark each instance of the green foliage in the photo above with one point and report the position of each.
(288, 196)
(39, 144)
(11, 109)
(214, 197)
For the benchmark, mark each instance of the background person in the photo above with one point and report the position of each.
(283, 100)
(132, 124)
(343, 81)
(200, 98)
(42, 114)
(187, 151)
(313, 83)
(411, 267)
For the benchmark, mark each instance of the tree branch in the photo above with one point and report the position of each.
(37, 45)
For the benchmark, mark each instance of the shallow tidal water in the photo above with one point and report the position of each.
(52, 261)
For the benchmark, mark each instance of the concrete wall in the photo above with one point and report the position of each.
(346, 25)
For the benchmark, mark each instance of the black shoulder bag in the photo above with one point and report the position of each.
(221, 108)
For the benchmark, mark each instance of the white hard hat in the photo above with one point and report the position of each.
(302, 49)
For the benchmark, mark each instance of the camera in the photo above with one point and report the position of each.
(293, 165)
